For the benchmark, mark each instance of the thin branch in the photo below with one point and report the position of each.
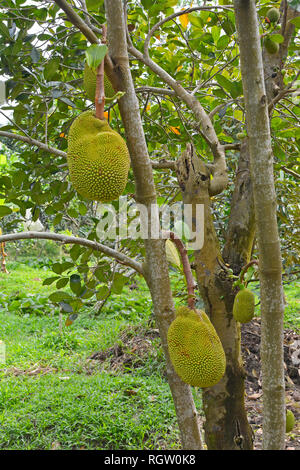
(179, 13)
(156, 91)
(246, 267)
(164, 165)
(75, 19)
(291, 172)
(190, 281)
(64, 239)
(235, 146)
(206, 128)
(282, 93)
(219, 107)
(37, 143)
(158, 165)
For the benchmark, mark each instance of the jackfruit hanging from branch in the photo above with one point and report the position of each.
(98, 158)
(195, 349)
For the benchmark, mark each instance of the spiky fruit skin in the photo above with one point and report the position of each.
(98, 158)
(89, 84)
(290, 421)
(243, 306)
(273, 14)
(271, 46)
(195, 349)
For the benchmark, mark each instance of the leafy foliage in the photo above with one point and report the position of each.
(42, 56)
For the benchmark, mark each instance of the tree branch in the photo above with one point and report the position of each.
(282, 93)
(64, 239)
(75, 19)
(160, 165)
(156, 91)
(190, 281)
(175, 15)
(37, 143)
(291, 172)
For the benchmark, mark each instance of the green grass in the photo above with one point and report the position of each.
(292, 306)
(72, 402)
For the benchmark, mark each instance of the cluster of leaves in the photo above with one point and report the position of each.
(26, 304)
(86, 278)
(42, 56)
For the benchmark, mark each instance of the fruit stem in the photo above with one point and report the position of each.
(100, 95)
(190, 283)
(246, 267)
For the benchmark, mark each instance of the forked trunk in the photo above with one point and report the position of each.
(226, 424)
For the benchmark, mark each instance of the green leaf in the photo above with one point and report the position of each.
(223, 42)
(62, 283)
(3, 160)
(51, 69)
(277, 38)
(56, 268)
(118, 283)
(4, 30)
(75, 283)
(72, 212)
(95, 55)
(195, 20)
(147, 3)
(87, 294)
(59, 296)
(296, 21)
(67, 101)
(50, 280)
(82, 208)
(75, 252)
(35, 55)
(102, 292)
(234, 88)
(93, 5)
(228, 27)
(66, 265)
(4, 210)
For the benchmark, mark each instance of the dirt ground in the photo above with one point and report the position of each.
(136, 344)
(250, 333)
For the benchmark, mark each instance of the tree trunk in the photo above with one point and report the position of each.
(226, 424)
(241, 227)
(261, 166)
(156, 266)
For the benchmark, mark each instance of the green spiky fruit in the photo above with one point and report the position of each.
(290, 421)
(271, 46)
(243, 306)
(98, 158)
(273, 14)
(89, 84)
(195, 349)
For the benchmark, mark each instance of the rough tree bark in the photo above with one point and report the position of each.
(156, 267)
(226, 424)
(270, 272)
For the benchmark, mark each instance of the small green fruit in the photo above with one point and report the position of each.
(195, 349)
(241, 135)
(290, 421)
(273, 14)
(243, 306)
(271, 46)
